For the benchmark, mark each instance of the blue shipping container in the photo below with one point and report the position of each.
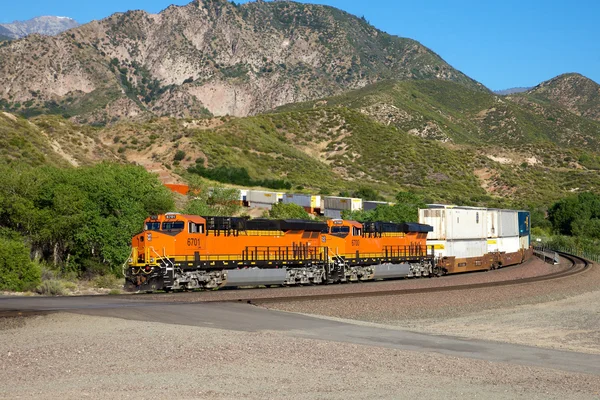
(524, 223)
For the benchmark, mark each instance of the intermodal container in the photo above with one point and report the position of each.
(508, 223)
(459, 248)
(264, 206)
(492, 245)
(492, 223)
(524, 223)
(303, 200)
(371, 205)
(342, 203)
(260, 196)
(334, 214)
(524, 242)
(509, 244)
(455, 223)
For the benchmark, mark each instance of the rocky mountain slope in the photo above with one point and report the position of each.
(449, 112)
(46, 25)
(208, 57)
(574, 92)
(446, 142)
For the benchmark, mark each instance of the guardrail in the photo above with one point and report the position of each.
(548, 255)
(594, 257)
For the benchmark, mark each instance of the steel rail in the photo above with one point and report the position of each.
(579, 265)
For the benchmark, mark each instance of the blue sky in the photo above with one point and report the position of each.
(502, 44)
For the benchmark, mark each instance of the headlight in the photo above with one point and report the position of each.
(151, 259)
(130, 260)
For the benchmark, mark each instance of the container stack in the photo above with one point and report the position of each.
(263, 199)
(524, 229)
(459, 232)
(243, 197)
(311, 203)
(333, 206)
(369, 205)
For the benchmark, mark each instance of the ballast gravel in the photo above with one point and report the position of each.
(532, 268)
(71, 356)
(559, 314)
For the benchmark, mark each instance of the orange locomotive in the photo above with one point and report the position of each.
(178, 251)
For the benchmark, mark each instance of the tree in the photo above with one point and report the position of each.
(287, 211)
(367, 193)
(406, 209)
(80, 218)
(575, 215)
(17, 271)
(216, 201)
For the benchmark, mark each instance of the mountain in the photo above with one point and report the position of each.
(449, 143)
(511, 91)
(574, 92)
(46, 25)
(208, 57)
(450, 112)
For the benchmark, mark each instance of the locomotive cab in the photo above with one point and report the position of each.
(344, 228)
(152, 247)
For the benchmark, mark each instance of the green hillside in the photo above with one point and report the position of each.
(437, 139)
(450, 112)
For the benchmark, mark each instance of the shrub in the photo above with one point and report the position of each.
(17, 271)
(107, 282)
(179, 155)
(287, 211)
(52, 288)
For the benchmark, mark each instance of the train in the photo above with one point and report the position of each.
(184, 252)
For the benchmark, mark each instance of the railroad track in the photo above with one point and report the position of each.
(579, 265)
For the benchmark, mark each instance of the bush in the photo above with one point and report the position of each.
(17, 271)
(107, 282)
(237, 176)
(179, 155)
(52, 288)
(287, 211)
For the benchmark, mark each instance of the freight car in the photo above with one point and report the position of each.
(177, 251)
(474, 238)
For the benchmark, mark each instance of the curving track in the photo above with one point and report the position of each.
(12, 305)
(578, 265)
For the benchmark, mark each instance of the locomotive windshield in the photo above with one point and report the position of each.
(152, 226)
(172, 226)
(340, 229)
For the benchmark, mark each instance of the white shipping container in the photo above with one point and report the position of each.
(264, 206)
(524, 242)
(303, 200)
(436, 217)
(315, 201)
(508, 223)
(260, 196)
(459, 248)
(492, 223)
(453, 223)
(371, 205)
(492, 245)
(508, 244)
(342, 203)
(467, 223)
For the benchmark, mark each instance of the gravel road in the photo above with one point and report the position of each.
(74, 356)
